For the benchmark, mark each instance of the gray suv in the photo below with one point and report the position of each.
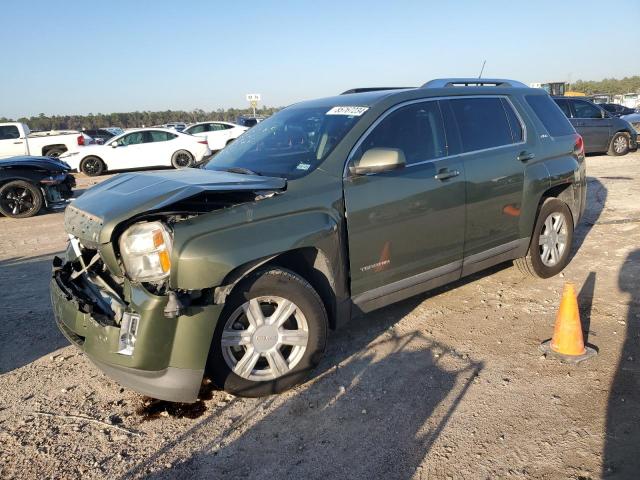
(600, 131)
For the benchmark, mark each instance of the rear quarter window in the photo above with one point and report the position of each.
(550, 115)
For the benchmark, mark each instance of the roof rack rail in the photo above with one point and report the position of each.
(371, 89)
(473, 82)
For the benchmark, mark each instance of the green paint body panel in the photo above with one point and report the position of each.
(375, 231)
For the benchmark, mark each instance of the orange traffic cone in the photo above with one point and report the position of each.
(567, 342)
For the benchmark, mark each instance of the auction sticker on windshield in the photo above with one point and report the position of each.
(351, 111)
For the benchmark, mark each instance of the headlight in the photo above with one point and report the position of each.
(146, 251)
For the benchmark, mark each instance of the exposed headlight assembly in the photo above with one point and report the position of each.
(146, 251)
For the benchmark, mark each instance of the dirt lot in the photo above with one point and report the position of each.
(446, 385)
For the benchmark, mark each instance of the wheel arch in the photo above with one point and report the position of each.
(565, 193)
(47, 148)
(310, 263)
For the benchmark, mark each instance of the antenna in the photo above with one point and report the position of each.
(482, 69)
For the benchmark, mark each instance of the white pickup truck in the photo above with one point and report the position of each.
(16, 139)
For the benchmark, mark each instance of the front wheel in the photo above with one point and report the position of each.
(55, 152)
(619, 145)
(20, 199)
(271, 333)
(551, 241)
(182, 159)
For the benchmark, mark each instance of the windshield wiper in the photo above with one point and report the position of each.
(241, 170)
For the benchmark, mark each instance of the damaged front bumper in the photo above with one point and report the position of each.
(170, 354)
(58, 191)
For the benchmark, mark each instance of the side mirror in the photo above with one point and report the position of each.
(377, 160)
(114, 144)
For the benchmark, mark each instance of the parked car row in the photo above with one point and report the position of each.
(601, 131)
(140, 148)
(17, 139)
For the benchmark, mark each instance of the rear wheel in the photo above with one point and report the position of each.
(619, 144)
(271, 333)
(20, 199)
(92, 166)
(182, 159)
(55, 152)
(551, 241)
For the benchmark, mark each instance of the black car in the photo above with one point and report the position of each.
(100, 135)
(248, 121)
(600, 131)
(617, 110)
(28, 184)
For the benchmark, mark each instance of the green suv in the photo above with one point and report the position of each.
(328, 209)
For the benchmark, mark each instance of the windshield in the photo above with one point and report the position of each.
(289, 144)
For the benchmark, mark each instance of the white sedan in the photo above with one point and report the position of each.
(218, 134)
(141, 148)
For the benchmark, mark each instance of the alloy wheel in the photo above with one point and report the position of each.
(265, 338)
(553, 239)
(91, 166)
(17, 200)
(620, 144)
(183, 159)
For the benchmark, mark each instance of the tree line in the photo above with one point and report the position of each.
(608, 85)
(133, 119)
(147, 119)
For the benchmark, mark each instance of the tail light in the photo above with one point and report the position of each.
(578, 148)
(80, 139)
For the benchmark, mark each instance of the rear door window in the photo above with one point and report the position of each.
(550, 115)
(157, 136)
(482, 123)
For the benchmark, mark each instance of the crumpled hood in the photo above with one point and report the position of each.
(46, 163)
(94, 215)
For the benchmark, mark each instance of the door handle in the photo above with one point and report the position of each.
(526, 156)
(446, 173)
(17, 143)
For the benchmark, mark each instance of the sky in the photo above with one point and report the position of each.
(100, 57)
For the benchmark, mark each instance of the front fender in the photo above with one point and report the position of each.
(204, 257)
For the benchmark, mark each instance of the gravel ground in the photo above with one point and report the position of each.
(449, 384)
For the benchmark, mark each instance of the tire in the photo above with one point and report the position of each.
(619, 144)
(182, 159)
(538, 263)
(55, 152)
(266, 374)
(92, 166)
(20, 199)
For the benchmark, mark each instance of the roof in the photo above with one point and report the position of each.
(370, 96)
